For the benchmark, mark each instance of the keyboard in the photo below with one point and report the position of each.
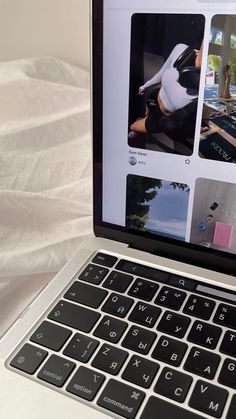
(134, 341)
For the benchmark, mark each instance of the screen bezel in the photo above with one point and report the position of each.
(185, 252)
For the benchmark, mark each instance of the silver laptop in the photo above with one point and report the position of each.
(141, 323)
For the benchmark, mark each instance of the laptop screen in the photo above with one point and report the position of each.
(169, 122)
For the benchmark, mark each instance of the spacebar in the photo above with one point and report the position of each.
(159, 409)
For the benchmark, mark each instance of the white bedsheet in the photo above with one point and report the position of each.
(45, 165)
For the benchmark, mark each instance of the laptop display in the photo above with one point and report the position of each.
(169, 124)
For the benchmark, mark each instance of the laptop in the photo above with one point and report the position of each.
(141, 323)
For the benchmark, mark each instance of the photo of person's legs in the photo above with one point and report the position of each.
(152, 111)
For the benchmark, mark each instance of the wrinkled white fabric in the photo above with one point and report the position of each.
(45, 164)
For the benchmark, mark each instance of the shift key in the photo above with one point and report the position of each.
(121, 399)
(74, 316)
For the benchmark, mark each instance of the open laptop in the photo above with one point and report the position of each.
(141, 323)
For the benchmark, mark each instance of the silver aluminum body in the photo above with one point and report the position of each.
(21, 396)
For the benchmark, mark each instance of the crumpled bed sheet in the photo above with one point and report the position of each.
(45, 165)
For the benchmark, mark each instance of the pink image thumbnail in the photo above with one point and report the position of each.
(223, 234)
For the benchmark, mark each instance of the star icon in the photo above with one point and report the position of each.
(187, 161)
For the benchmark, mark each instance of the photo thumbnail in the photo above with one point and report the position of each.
(214, 215)
(157, 206)
(165, 67)
(218, 130)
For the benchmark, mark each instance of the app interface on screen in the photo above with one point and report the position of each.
(169, 119)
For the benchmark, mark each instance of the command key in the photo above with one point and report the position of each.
(121, 399)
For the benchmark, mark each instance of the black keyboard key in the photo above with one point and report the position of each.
(142, 270)
(56, 370)
(202, 363)
(166, 410)
(208, 399)
(170, 298)
(182, 282)
(81, 347)
(145, 290)
(118, 281)
(85, 383)
(228, 373)
(121, 399)
(139, 339)
(170, 351)
(140, 371)
(228, 345)
(93, 274)
(104, 259)
(145, 314)
(204, 334)
(226, 315)
(232, 408)
(173, 384)
(110, 359)
(118, 305)
(74, 316)
(29, 358)
(174, 324)
(86, 294)
(51, 336)
(199, 307)
(110, 329)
